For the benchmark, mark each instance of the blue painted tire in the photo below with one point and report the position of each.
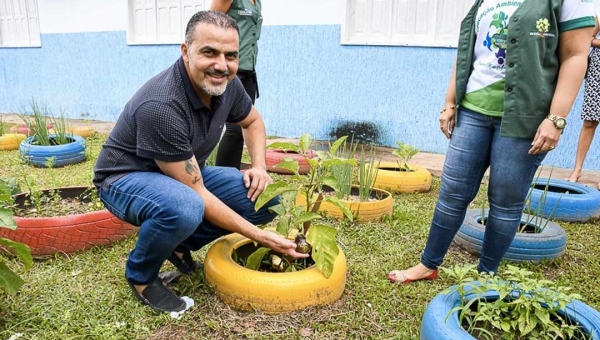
(64, 154)
(436, 325)
(548, 244)
(580, 205)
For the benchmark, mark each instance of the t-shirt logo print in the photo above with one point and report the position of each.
(497, 41)
(543, 26)
(247, 12)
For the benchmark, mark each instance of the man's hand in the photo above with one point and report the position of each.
(256, 180)
(280, 244)
(546, 138)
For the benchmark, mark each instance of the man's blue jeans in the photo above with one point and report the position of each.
(170, 214)
(475, 145)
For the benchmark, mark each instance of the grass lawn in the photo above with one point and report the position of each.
(84, 295)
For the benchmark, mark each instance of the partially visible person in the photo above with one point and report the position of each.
(247, 14)
(590, 113)
(519, 67)
(151, 173)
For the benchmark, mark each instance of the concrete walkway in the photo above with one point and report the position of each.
(433, 162)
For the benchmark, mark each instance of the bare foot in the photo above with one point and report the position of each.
(418, 272)
(574, 176)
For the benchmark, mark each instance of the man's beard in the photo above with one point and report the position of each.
(212, 89)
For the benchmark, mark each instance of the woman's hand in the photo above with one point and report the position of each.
(448, 119)
(545, 139)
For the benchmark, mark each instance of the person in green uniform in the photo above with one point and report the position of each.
(247, 14)
(519, 67)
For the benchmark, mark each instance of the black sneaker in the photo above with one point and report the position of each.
(159, 297)
(185, 265)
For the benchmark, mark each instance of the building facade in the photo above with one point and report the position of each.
(321, 63)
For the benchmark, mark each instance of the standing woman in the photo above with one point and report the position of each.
(591, 103)
(247, 14)
(519, 67)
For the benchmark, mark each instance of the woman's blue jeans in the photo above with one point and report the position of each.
(475, 145)
(170, 214)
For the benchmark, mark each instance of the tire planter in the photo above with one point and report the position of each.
(275, 157)
(564, 200)
(65, 154)
(272, 293)
(362, 211)
(24, 129)
(390, 177)
(548, 244)
(67, 234)
(83, 131)
(436, 325)
(11, 141)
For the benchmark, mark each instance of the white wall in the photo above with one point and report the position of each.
(303, 12)
(71, 16)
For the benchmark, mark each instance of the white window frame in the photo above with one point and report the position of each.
(160, 22)
(19, 24)
(429, 23)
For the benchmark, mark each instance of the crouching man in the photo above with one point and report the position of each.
(151, 170)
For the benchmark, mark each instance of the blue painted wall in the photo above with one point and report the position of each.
(308, 83)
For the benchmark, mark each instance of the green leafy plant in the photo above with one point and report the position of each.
(526, 308)
(295, 220)
(405, 152)
(10, 282)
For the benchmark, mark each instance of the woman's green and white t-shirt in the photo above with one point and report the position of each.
(485, 89)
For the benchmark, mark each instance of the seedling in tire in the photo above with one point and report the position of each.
(295, 221)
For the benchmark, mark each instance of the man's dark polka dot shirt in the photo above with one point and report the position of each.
(165, 120)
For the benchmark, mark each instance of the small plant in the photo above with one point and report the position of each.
(295, 221)
(62, 130)
(211, 160)
(345, 172)
(367, 173)
(10, 282)
(483, 201)
(534, 217)
(405, 152)
(526, 307)
(38, 124)
(3, 126)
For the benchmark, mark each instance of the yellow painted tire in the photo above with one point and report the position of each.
(362, 211)
(83, 131)
(392, 180)
(272, 293)
(11, 141)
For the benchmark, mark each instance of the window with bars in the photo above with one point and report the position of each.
(433, 23)
(19, 23)
(160, 21)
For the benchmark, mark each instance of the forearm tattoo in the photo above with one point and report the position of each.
(193, 170)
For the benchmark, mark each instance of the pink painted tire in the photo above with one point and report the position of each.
(24, 129)
(276, 156)
(67, 234)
